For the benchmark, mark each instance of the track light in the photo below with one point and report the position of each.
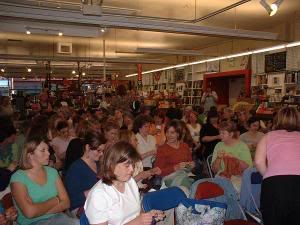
(275, 7)
(272, 10)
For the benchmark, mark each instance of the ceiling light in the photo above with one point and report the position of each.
(73, 72)
(275, 7)
(2, 70)
(272, 10)
(83, 74)
(103, 29)
(278, 47)
(28, 70)
(269, 49)
(60, 33)
(23, 78)
(28, 32)
(76, 75)
(294, 44)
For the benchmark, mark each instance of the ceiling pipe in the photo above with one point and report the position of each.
(80, 59)
(110, 8)
(220, 11)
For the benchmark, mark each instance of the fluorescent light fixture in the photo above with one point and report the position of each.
(239, 54)
(278, 47)
(269, 49)
(294, 44)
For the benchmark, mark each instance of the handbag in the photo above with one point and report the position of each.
(200, 212)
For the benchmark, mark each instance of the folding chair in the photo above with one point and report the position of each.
(250, 193)
(208, 163)
(163, 199)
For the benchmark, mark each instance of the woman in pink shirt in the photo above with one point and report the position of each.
(277, 158)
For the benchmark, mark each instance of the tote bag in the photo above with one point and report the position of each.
(200, 212)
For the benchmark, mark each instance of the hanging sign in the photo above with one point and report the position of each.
(139, 74)
(157, 75)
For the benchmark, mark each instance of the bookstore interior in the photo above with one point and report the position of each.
(246, 52)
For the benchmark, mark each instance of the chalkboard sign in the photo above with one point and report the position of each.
(275, 62)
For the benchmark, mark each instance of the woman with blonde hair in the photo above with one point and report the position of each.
(231, 156)
(277, 158)
(39, 194)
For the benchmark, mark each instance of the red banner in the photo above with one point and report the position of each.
(139, 73)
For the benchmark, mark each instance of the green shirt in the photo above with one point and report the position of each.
(240, 150)
(38, 193)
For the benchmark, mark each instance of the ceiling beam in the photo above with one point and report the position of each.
(48, 15)
(81, 59)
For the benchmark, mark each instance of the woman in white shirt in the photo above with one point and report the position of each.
(194, 127)
(146, 142)
(115, 199)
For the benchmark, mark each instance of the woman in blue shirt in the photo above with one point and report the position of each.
(82, 174)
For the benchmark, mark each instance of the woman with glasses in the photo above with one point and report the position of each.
(86, 167)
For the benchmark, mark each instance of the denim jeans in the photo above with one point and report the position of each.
(58, 219)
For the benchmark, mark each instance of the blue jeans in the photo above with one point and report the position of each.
(58, 219)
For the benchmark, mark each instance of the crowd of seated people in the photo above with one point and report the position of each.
(61, 160)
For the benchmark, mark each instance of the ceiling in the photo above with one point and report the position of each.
(154, 33)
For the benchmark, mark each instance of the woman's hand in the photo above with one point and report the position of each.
(155, 171)
(11, 214)
(146, 218)
(3, 220)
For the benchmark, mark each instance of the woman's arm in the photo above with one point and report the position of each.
(147, 154)
(24, 202)
(146, 218)
(210, 138)
(143, 218)
(64, 202)
(260, 160)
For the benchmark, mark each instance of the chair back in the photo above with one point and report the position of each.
(250, 190)
(83, 219)
(164, 199)
(208, 163)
